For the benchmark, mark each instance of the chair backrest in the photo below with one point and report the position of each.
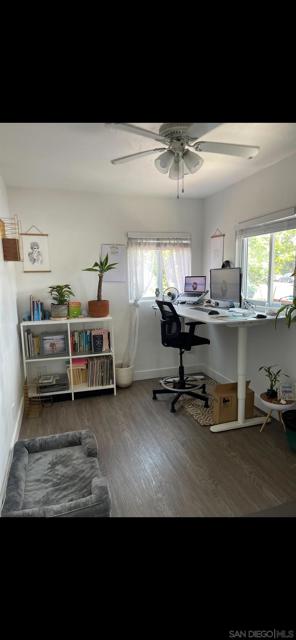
(170, 322)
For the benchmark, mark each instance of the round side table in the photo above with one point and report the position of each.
(274, 405)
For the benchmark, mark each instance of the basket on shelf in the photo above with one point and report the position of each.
(32, 404)
(10, 234)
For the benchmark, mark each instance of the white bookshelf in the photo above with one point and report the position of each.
(46, 365)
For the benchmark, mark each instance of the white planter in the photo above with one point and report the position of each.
(124, 376)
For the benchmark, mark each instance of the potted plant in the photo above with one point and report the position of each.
(289, 417)
(60, 293)
(99, 308)
(274, 378)
(289, 308)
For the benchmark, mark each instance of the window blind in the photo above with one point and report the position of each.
(159, 239)
(270, 223)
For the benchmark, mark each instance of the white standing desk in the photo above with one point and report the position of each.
(242, 324)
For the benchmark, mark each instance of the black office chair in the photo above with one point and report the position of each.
(173, 336)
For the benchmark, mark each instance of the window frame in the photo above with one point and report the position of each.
(242, 255)
(160, 238)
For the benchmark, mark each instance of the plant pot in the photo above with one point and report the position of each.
(289, 419)
(124, 376)
(74, 309)
(271, 393)
(59, 311)
(98, 308)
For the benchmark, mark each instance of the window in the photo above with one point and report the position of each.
(267, 257)
(157, 261)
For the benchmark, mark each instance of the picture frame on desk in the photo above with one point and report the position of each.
(54, 344)
(287, 391)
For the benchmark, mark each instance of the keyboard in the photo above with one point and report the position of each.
(220, 312)
(239, 311)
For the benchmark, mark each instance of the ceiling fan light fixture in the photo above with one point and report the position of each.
(164, 161)
(176, 168)
(192, 161)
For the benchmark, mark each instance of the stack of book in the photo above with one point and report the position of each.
(52, 383)
(32, 344)
(90, 341)
(100, 371)
(79, 371)
(36, 309)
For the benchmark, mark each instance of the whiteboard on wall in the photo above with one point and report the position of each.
(116, 253)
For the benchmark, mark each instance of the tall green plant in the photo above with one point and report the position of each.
(61, 293)
(101, 268)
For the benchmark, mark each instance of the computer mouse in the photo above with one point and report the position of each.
(213, 313)
(261, 315)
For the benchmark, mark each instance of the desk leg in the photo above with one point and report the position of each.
(241, 388)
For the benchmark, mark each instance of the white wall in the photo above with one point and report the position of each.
(10, 365)
(270, 190)
(77, 224)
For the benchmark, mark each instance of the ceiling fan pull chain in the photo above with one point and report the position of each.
(182, 176)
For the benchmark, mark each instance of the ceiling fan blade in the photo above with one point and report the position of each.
(198, 129)
(124, 126)
(133, 156)
(240, 150)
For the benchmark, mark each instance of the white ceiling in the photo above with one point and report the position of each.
(76, 156)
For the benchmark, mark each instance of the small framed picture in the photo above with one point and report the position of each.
(35, 252)
(54, 344)
(287, 392)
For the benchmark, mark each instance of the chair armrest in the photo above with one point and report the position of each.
(192, 324)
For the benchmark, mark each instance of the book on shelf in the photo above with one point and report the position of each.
(100, 372)
(90, 341)
(60, 383)
(97, 342)
(79, 362)
(79, 375)
(32, 344)
(46, 380)
(36, 309)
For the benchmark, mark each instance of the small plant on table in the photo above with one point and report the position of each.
(274, 379)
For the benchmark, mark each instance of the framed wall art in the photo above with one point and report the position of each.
(35, 252)
(116, 253)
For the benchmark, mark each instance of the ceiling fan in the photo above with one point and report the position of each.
(181, 142)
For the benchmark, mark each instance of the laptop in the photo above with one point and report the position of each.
(194, 288)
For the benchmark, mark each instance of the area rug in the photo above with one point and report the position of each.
(197, 410)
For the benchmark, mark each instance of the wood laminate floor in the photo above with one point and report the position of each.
(163, 464)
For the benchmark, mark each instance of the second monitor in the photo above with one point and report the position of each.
(225, 285)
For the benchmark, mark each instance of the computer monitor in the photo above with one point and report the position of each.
(225, 285)
(195, 284)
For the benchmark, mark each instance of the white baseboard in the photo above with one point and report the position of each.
(14, 438)
(212, 373)
(147, 374)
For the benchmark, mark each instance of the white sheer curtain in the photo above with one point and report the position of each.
(175, 261)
